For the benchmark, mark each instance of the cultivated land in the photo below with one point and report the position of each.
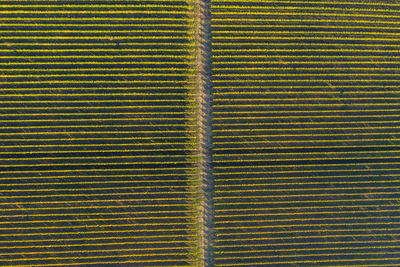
(306, 133)
(134, 133)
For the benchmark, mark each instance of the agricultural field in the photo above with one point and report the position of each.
(305, 132)
(95, 140)
(199, 133)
